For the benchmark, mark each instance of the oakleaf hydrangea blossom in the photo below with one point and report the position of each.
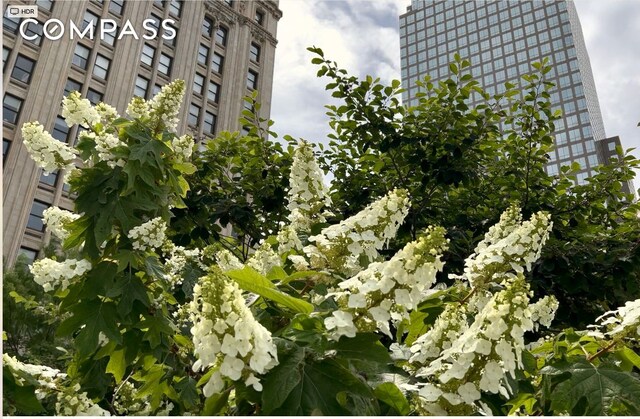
(56, 220)
(183, 147)
(107, 113)
(76, 110)
(226, 336)
(308, 194)
(288, 240)
(138, 108)
(502, 251)
(51, 382)
(543, 311)
(264, 259)
(48, 153)
(388, 291)
(148, 236)
(106, 144)
(177, 262)
(126, 401)
(165, 106)
(340, 246)
(51, 274)
(624, 322)
(227, 261)
(480, 358)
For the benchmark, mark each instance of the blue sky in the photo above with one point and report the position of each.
(362, 36)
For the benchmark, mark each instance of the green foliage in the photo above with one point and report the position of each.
(240, 182)
(463, 165)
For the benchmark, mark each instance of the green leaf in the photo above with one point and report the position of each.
(362, 347)
(117, 365)
(311, 387)
(594, 391)
(103, 319)
(214, 404)
(250, 280)
(188, 392)
(526, 400)
(391, 395)
(628, 356)
(282, 379)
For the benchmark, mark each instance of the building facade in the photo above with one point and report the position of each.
(223, 49)
(501, 39)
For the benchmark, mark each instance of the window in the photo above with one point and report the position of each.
(51, 179)
(207, 27)
(34, 29)
(5, 54)
(107, 36)
(35, 216)
(81, 56)
(611, 146)
(213, 92)
(6, 145)
(156, 89)
(254, 53)
(141, 88)
(101, 67)
(44, 4)
(259, 17)
(94, 96)
(175, 7)
(164, 65)
(148, 53)
(89, 20)
(116, 6)
(11, 24)
(11, 108)
(221, 36)
(60, 130)
(194, 114)
(252, 80)
(217, 62)
(28, 255)
(22, 69)
(203, 54)
(71, 86)
(209, 123)
(198, 83)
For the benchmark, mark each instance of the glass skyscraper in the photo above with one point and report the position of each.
(502, 39)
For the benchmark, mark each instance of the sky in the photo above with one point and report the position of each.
(362, 36)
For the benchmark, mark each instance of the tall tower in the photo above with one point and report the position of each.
(223, 49)
(502, 39)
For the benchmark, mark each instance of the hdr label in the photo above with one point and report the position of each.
(19, 10)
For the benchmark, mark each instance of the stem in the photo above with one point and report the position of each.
(602, 351)
(465, 299)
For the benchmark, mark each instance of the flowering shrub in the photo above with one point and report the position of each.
(315, 321)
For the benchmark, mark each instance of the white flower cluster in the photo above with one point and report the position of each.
(149, 235)
(226, 336)
(183, 147)
(126, 402)
(165, 105)
(48, 153)
(51, 274)
(481, 357)
(388, 291)
(508, 246)
(227, 261)
(107, 113)
(138, 108)
(73, 403)
(624, 322)
(543, 311)
(288, 240)
(70, 402)
(450, 324)
(76, 110)
(47, 377)
(106, 143)
(308, 194)
(56, 220)
(175, 265)
(264, 259)
(339, 247)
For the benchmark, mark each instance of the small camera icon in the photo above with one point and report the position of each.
(14, 11)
